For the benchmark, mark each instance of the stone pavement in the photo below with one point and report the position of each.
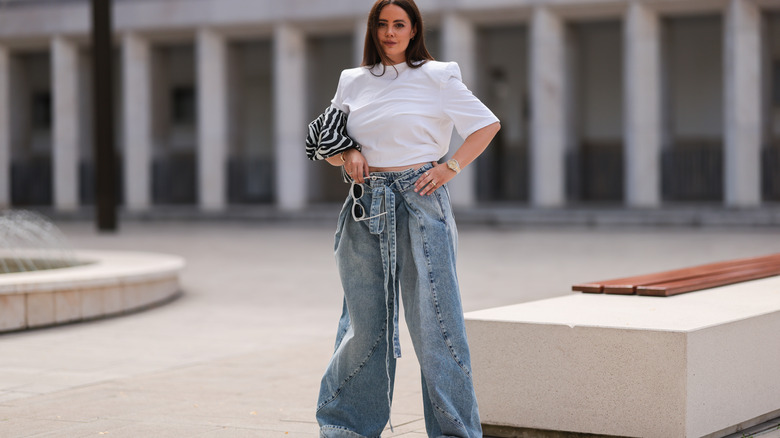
(240, 354)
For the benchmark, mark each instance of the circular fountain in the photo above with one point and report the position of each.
(44, 282)
(29, 242)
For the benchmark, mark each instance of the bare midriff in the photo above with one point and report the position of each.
(400, 168)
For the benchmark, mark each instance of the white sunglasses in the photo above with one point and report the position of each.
(358, 212)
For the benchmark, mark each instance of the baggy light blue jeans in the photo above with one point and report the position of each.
(412, 247)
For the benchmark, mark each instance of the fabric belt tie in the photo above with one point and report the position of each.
(385, 227)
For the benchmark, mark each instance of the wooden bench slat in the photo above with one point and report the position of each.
(627, 282)
(692, 284)
(624, 284)
(699, 273)
(628, 285)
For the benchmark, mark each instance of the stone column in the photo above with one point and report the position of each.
(459, 41)
(5, 128)
(742, 115)
(359, 40)
(548, 109)
(137, 90)
(290, 117)
(642, 91)
(212, 119)
(65, 150)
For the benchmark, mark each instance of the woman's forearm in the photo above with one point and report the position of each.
(475, 144)
(472, 147)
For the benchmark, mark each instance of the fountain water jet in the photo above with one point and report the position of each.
(30, 242)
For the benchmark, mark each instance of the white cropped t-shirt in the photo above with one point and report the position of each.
(407, 118)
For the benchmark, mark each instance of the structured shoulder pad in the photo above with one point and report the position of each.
(441, 72)
(349, 75)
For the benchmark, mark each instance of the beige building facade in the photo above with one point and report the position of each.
(634, 103)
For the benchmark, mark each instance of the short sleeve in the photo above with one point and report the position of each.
(467, 112)
(338, 100)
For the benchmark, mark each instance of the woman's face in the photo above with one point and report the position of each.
(394, 32)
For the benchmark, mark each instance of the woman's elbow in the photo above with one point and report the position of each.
(493, 128)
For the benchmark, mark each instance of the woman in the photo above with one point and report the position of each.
(396, 231)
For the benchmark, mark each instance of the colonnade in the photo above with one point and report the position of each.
(547, 68)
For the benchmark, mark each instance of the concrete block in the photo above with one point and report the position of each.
(12, 312)
(67, 306)
(40, 309)
(693, 365)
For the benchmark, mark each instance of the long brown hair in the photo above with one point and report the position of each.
(416, 53)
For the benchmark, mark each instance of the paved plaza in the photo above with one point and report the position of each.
(241, 352)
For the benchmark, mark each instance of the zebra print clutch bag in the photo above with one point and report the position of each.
(328, 135)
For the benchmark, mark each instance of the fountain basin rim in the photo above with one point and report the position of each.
(101, 269)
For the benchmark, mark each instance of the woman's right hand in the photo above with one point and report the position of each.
(355, 165)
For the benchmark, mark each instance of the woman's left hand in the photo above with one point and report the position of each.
(432, 179)
(468, 152)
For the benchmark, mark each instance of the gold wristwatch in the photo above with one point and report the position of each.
(454, 165)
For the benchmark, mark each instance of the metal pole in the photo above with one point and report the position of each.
(104, 152)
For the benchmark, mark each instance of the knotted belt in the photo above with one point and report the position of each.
(384, 225)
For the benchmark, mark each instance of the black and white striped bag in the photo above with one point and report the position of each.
(328, 135)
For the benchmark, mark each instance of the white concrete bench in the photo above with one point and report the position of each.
(702, 364)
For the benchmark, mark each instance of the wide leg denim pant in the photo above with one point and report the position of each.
(411, 246)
